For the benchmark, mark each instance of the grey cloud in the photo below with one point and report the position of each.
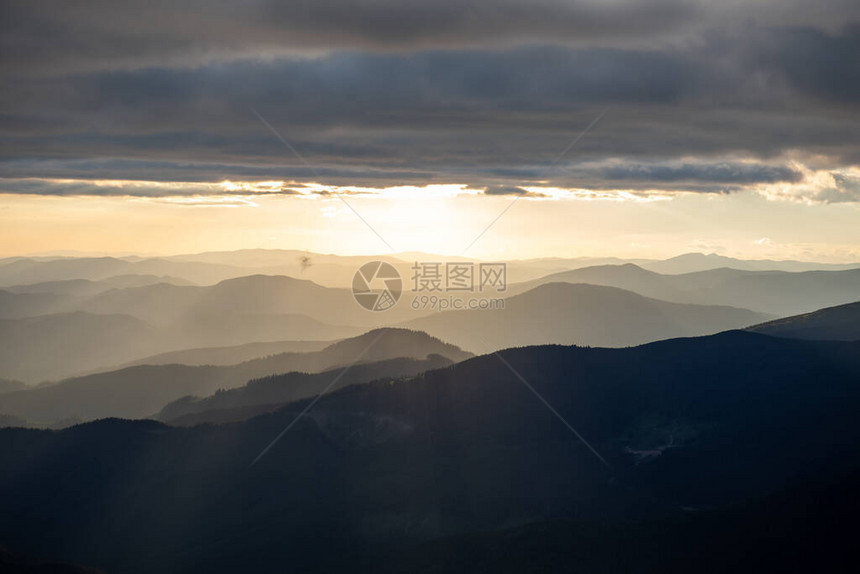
(718, 172)
(379, 109)
(847, 189)
(58, 36)
(78, 188)
(51, 36)
(70, 188)
(510, 190)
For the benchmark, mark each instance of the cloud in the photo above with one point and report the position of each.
(152, 189)
(93, 35)
(196, 201)
(818, 186)
(701, 97)
(689, 175)
(510, 190)
(54, 36)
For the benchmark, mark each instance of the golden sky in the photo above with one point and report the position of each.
(441, 219)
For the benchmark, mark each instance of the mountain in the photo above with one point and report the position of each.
(249, 296)
(232, 329)
(51, 346)
(321, 268)
(15, 563)
(774, 292)
(51, 297)
(230, 355)
(693, 262)
(20, 305)
(579, 314)
(253, 309)
(700, 437)
(388, 343)
(625, 276)
(28, 270)
(12, 421)
(841, 323)
(7, 386)
(86, 287)
(809, 515)
(141, 391)
(57, 346)
(270, 393)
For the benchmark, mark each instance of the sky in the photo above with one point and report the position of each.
(497, 129)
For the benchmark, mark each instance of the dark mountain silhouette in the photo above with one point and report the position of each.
(141, 391)
(696, 433)
(14, 563)
(268, 394)
(10, 421)
(801, 529)
(840, 323)
(775, 292)
(580, 314)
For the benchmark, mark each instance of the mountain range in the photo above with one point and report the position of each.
(840, 323)
(682, 436)
(582, 314)
(337, 271)
(142, 391)
(779, 293)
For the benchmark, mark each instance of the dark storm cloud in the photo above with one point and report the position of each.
(721, 172)
(49, 36)
(165, 92)
(86, 35)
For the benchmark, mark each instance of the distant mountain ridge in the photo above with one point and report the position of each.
(581, 314)
(7, 386)
(142, 391)
(336, 270)
(57, 346)
(693, 262)
(778, 293)
(51, 346)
